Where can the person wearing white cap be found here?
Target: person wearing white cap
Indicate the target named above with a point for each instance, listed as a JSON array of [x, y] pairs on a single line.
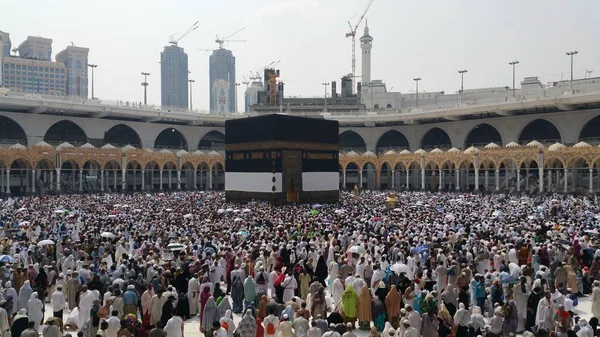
[[58, 301]]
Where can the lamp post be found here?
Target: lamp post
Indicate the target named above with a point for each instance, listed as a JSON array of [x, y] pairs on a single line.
[[462, 77], [325, 84], [571, 53], [191, 106], [235, 97], [145, 85], [417, 79], [92, 66], [513, 64]]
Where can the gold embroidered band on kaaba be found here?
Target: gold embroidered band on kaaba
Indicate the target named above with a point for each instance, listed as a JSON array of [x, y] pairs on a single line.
[[281, 145]]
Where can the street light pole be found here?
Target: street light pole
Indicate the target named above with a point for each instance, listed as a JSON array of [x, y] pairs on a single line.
[[417, 79], [513, 64], [92, 66], [462, 77], [571, 53], [325, 84], [145, 85], [191, 81]]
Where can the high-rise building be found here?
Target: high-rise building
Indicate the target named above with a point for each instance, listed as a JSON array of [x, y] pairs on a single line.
[[251, 94], [76, 61], [174, 77], [222, 67], [36, 47], [221, 93], [5, 44], [34, 76]]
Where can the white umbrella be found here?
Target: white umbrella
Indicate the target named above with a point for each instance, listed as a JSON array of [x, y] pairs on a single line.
[[339, 211], [497, 214], [125, 206], [238, 219], [168, 209], [246, 210], [112, 216], [397, 209], [229, 210], [161, 194], [21, 209], [116, 205], [108, 235], [24, 223], [187, 216], [220, 211], [137, 210], [357, 250], [449, 217], [175, 246], [45, 243], [402, 268]]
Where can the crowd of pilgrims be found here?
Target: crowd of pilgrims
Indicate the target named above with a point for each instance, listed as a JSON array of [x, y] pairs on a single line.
[[436, 265]]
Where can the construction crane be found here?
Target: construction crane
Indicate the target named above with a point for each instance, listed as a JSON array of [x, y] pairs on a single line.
[[245, 81], [221, 40], [352, 34], [173, 40]]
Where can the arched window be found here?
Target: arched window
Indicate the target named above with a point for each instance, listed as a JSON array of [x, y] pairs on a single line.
[[376, 106], [389, 105]]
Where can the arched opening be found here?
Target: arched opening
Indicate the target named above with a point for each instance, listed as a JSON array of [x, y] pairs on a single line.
[[121, 135], [44, 176], [389, 105], [212, 141], [65, 131], [591, 132], [414, 176], [431, 176], [187, 176], [218, 177], [541, 130], [70, 179], [133, 176], [554, 174], [19, 181], [385, 176], [399, 177], [376, 106], [203, 173], [447, 176], [112, 169], [91, 176], [436, 138], [483, 134], [11, 132], [170, 139], [151, 175], [352, 141], [352, 176], [369, 176], [579, 176], [169, 176], [392, 140], [486, 168]]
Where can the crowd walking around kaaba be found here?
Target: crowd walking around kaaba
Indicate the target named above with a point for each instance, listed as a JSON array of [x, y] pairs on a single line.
[[459, 265]]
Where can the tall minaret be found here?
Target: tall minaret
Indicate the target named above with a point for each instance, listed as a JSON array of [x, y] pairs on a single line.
[[366, 43]]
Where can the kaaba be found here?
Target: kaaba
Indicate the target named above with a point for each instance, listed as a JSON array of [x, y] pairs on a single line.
[[281, 158]]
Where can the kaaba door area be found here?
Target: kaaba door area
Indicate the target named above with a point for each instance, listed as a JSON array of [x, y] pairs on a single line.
[[281, 159]]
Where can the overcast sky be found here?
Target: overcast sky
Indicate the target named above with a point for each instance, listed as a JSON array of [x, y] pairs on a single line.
[[431, 39]]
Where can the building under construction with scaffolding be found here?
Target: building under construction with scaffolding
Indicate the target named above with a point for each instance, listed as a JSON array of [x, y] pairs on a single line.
[[272, 100]]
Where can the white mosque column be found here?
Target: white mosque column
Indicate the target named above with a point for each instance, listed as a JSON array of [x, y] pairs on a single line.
[[7, 187], [101, 180], [393, 178], [477, 178], [591, 170], [566, 179], [518, 180], [344, 179], [123, 175], [51, 182], [32, 180], [526, 180], [441, 179], [152, 179], [58, 180], [541, 179], [497, 179], [407, 179], [550, 180], [178, 179], [80, 180], [486, 180], [115, 180], [169, 178], [360, 179], [195, 179], [457, 173], [143, 180], [160, 180], [210, 179], [423, 177]]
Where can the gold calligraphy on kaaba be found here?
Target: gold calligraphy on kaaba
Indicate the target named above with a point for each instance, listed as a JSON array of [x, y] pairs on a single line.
[[257, 155], [238, 156], [320, 156]]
